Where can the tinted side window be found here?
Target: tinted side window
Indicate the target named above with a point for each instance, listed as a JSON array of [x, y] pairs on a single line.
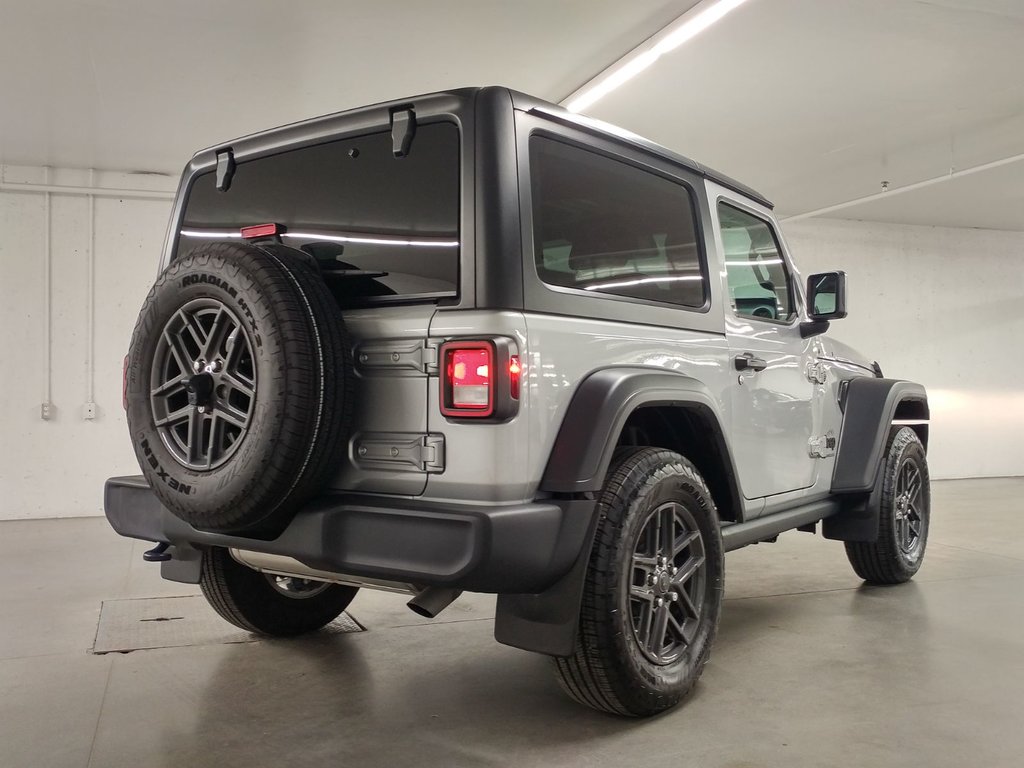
[[759, 284], [389, 226], [603, 225]]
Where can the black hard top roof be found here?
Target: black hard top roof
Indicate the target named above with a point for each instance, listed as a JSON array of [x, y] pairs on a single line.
[[520, 101], [528, 103]]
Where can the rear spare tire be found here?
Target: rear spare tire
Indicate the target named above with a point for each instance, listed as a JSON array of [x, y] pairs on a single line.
[[236, 386]]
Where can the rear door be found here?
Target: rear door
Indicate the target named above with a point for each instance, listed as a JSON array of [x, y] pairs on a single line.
[[385, 231]]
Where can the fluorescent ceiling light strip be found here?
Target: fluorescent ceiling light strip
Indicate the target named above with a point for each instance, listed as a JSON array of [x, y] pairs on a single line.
[[624, 283], [953, 174], [374, 240], [217, 234], [210, 233], [686, 27]]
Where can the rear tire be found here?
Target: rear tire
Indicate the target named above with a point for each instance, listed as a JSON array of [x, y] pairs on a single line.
[[903, 517], [650, 611], [251, 601]]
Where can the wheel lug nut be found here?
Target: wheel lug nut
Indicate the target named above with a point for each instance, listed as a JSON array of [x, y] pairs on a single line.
[[658, 602], [202, 409], [197, 366], [674, 596]]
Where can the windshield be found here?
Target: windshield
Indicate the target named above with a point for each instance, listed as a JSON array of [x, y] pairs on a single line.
[[381, 227]]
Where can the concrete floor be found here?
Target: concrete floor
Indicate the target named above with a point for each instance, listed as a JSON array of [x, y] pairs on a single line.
[[810, 668]]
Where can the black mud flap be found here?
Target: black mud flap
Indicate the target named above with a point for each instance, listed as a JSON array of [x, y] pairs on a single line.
[[547, 622]]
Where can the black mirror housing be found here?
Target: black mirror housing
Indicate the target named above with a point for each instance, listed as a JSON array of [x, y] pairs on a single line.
[[826, 296]]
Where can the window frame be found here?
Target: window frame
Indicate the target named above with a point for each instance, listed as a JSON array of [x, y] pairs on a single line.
[[547, 298], [440, 107], [795, 297], [702, 262]]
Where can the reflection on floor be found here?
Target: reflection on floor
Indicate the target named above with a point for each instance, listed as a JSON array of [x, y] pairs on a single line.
[[810, 668]]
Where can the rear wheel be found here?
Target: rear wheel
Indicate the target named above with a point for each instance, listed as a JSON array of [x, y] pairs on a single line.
[[903, 516], [277, 606], [653, 589]]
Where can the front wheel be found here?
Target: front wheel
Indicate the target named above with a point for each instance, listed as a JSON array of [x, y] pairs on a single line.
[[903, 516], [653, 591], [277, 606]]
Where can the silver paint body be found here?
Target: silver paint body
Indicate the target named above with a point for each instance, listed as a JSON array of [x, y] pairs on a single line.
[[401, 444], [774, 420]]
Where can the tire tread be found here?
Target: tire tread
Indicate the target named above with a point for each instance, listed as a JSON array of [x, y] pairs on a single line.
[[592, 675]]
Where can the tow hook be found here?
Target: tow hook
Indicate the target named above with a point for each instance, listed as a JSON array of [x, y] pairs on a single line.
[[157, 554]]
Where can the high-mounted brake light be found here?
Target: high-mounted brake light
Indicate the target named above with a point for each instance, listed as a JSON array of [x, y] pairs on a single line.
[[480, 379], [261, 230]]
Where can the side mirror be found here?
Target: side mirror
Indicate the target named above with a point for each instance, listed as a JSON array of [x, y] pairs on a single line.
[[826, 296], [826, 300]]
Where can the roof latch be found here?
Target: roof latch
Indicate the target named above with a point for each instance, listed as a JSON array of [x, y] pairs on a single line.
[[225, 169], [403, 128]]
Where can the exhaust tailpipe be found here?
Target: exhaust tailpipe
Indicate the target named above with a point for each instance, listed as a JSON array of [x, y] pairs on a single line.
[[432, 600]]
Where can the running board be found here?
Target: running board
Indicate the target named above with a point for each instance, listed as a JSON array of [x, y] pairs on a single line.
[[736, 535]]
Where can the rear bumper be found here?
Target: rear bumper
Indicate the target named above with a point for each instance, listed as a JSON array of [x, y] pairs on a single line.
[[479, 548]]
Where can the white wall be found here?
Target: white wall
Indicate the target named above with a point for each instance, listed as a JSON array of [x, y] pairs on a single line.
[[57, 467], [943, 307], [939, 306]]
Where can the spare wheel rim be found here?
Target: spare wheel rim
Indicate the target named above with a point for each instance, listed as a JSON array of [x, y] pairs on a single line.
[[203, 384]]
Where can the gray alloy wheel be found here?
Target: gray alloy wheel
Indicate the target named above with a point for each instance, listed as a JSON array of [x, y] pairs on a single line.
[[203, 384], [667, 585], [909, 515], [296, 588]]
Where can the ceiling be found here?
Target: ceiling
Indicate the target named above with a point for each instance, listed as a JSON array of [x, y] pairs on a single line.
[[814, 103]]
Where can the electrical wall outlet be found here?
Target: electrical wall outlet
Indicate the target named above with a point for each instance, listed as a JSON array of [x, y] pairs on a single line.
[[46, 411], [89, 411]]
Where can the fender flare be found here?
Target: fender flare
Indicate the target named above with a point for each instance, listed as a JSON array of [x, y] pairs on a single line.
[[869, 407], [603, 402]]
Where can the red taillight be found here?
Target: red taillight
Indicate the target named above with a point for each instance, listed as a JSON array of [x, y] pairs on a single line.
[[480, 379], [515, 370], [468, 383], [124, 383], [261, 230]]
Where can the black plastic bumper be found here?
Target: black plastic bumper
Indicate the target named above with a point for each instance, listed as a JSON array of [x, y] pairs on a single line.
[[477, 548]]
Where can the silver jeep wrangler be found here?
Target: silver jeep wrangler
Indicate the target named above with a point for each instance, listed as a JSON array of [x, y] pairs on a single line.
[[471, 341]]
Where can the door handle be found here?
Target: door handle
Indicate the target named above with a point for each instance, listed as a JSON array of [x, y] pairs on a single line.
[[747, 362]]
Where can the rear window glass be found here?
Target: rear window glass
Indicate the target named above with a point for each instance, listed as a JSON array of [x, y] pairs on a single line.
[[385, 227], [604, 225]]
